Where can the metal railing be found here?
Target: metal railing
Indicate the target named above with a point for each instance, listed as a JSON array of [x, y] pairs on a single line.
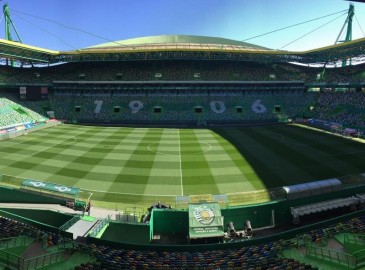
[[43, 260], [99, 226], [342, 258], [357, 239], [12, 261], [13, 242], [69, 223]]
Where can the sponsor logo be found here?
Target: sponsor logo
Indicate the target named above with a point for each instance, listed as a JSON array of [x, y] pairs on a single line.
[[44, 185], [204, 215], [62, 189], [37, 184]]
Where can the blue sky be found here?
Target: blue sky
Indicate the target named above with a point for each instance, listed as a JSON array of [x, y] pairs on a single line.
[[234, 19]]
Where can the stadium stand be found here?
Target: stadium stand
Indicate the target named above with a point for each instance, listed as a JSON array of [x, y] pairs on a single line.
[[268, 255], [342, 107], [215, 106], [110, 258], [12, 114], [194, 92], [180, 71], [10, 228]]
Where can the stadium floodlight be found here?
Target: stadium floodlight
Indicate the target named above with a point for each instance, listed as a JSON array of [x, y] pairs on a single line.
[[248, 228], [231, 230]]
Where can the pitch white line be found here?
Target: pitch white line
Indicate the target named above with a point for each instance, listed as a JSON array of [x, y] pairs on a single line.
[[181, 176]]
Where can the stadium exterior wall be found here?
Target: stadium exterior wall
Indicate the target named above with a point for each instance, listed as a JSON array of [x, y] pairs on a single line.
[[170, 221], [52, 218], [132, 233], [11, 195], [34, 223]]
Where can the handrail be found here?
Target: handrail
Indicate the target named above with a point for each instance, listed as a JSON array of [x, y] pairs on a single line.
[[45, 255], [357, 239], [12, 242], [69, 223], [94, 232], [10, 260], [334, 256], [13, 261]]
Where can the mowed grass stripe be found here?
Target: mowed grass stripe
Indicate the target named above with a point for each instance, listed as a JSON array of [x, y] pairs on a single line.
[[80, 165], [135, 173], [349, 152], [227, 176], [314, 158], [28, 145], [150, 138], [307, 158], [303, 160], [322, 152], [270, 169], [165, 174], [197, 176], [251, 181], [98, 175], [31, 166], [117, 160]]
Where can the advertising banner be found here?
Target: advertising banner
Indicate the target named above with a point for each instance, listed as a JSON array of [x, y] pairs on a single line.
[[205, 220], [50, 187]]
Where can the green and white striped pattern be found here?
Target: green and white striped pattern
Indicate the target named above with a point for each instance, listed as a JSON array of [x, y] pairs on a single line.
[[144, 165]]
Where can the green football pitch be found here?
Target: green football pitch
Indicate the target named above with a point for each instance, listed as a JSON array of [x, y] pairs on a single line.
[[144, 165]]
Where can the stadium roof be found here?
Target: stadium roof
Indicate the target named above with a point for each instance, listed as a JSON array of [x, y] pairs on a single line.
[[18, 51], [179, 47], [180, 40]]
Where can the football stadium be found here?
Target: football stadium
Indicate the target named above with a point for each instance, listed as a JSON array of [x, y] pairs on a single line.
[[182, 152]]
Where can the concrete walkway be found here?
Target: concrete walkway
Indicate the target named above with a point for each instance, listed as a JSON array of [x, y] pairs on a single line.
[[81, 227], [99, 213]]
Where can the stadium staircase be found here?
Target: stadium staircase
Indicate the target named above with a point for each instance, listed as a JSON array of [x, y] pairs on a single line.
[[82, 226], [34, 250], [26, 253], [342, 251]]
